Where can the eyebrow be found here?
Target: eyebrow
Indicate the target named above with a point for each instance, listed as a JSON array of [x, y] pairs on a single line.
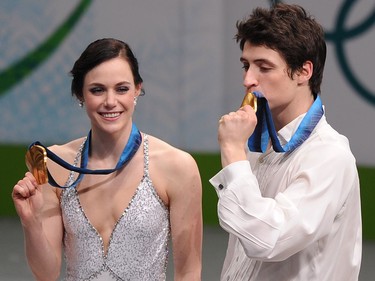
[[243, 60], [258, 61], [117, 84]]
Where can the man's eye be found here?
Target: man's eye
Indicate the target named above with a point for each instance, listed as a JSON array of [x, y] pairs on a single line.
[[245, 67], [264, 69]]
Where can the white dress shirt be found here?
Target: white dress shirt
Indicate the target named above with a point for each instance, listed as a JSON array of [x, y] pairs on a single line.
[[293, 216]]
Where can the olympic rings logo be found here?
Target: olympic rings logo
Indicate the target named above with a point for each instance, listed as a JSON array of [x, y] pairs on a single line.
[[338, 38]]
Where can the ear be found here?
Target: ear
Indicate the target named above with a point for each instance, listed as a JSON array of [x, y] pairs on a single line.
[[304, 75], [138, 90]]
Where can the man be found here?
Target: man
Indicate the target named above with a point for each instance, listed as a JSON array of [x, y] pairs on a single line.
[[288, 196]]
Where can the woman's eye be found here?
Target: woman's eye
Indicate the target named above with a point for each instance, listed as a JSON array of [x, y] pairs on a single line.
[[123, 89], [96, 90]]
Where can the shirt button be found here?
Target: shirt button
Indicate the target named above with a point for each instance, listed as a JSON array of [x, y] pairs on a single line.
[[221, 186]]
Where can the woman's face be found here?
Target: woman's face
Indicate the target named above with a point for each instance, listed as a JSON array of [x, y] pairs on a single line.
[[109, 92]]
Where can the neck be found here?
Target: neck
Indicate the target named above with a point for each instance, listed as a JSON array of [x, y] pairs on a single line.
[[107, 147], [284, 115]]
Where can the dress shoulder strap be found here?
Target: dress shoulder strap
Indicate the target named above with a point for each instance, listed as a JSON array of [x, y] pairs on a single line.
[[145, 153]]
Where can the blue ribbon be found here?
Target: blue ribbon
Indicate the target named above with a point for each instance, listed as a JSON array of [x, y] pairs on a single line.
[[134, 141], [265, 128]]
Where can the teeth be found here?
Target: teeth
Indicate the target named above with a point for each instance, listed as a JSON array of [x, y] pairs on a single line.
[[111, 115]]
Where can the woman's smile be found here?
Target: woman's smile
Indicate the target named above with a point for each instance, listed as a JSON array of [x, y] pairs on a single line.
[[110, 115]]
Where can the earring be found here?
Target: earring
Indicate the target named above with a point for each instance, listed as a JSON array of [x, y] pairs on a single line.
[[80, 103], [135, 100]]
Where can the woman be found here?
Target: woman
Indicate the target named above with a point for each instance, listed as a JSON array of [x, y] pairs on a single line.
[[114, 226]]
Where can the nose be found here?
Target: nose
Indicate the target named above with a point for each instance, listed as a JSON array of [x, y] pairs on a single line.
[[110, 99], [249, 79]]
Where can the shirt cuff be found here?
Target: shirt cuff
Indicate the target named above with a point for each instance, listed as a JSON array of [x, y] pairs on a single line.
[[229, 174]]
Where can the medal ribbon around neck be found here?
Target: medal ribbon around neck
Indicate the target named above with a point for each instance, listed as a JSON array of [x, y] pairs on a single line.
[[135, 140], [265, 128]]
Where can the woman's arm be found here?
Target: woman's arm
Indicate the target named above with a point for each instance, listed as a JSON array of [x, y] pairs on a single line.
[[39, 212], [185, 202]]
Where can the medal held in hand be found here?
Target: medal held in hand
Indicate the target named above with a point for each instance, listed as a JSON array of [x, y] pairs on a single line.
[[250, 99], [36, 162], [265, 128]]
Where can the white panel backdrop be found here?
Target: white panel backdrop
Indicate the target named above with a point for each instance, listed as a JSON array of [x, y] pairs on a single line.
[[189, 63]]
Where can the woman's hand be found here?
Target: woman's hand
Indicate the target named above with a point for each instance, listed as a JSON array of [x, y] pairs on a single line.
[[28, 199]]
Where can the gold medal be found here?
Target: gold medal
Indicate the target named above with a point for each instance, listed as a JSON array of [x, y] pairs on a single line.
[[36, 162], [251, 100]]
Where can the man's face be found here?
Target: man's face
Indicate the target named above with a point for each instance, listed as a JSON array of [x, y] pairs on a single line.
[[267, 72]]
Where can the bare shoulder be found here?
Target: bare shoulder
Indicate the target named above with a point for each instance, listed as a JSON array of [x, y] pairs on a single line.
[[173, 171], [170, 157], [68, 150]]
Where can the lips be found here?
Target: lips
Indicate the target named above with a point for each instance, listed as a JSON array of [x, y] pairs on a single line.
[[111, 115]]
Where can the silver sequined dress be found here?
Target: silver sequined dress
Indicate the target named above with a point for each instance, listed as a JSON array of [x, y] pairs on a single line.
[[138, 247]]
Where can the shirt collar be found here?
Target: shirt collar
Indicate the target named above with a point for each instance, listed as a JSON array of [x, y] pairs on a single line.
[[286, 132]]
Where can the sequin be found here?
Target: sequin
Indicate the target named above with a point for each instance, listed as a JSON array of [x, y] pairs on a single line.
[[138, 246]]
